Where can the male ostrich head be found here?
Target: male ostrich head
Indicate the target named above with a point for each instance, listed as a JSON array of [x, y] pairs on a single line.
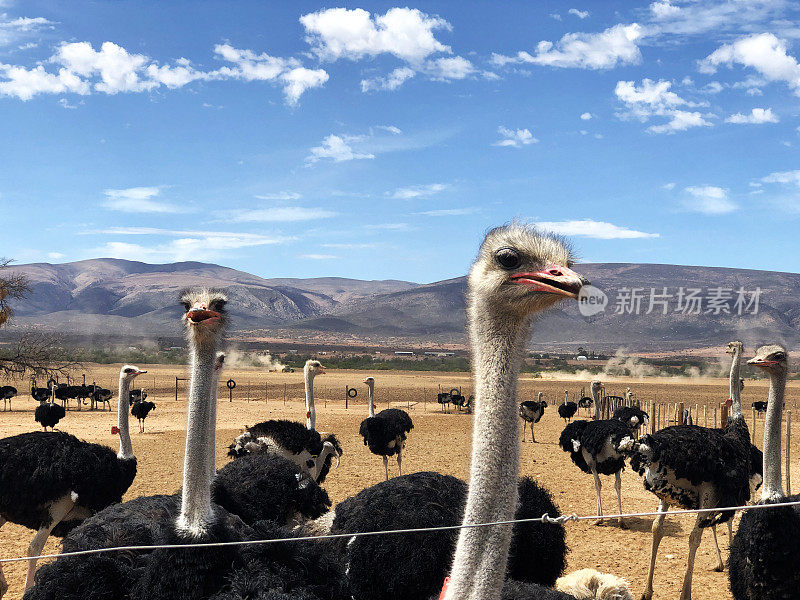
[[521, 270], [596, 386], [205, 316], [733, 347], [314, 367], [772, 359], [129, 373], [370, 381]]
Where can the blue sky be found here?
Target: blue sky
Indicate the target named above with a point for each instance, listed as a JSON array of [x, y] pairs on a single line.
[[377, 140]]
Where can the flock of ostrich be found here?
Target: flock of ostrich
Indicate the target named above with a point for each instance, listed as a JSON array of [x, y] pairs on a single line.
[[263, 527]]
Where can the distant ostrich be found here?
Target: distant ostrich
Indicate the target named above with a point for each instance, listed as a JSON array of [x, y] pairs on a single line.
[[303, 446], [225, 573], [695, 467], [136, 395], [7, 392], [48, 414], [599, 447], [415, 565], [140, 410], [764, 553], [567, 410], [531, 412], [761, 406], [586, 404], [519, 272], [49, 481], [633, 417], [385, 433], [101, 396], [40, 394]]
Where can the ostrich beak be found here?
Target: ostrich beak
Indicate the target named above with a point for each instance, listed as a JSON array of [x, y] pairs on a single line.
[[199, 315], [553, 279], [761, 362]]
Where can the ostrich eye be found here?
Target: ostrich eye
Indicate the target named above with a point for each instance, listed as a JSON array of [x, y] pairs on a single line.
[[218, 304], [508, 258], [186, 305]]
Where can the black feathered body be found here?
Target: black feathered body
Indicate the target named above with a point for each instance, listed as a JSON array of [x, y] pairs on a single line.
[[280, 436], [760, 406], [40, 394], [531, 411], [567, 410], [765, 554], [385, 433], [141, 408], [268, 486], [631, 416], [414, 565], [685, 464], [603, 444], [41, 467], [48, 414], [586, 402]]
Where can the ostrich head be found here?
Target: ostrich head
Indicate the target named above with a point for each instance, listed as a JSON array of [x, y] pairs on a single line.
[[596, 386], [733, 347], [314, 368], [521, 271], [773, 359], [370, 381], [205, 316], [130, 372]]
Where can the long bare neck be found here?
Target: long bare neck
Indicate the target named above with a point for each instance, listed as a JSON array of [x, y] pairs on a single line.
[[539, 397], [371, 399], [196, 512], [596, 401], [736, 396], [211, 424], [311, 412], [125, 446], [773, 485], [479, 567]]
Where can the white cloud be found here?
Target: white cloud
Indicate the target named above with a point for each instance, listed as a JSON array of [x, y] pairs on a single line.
[[338, 149], [682, 17], [389, 226], [300, 79], [390, 128], [139, 200], [663, 9], [604, 50], [443, 69], [757, 116], [669, 186], [651, 99], [586, 116], [278, 214], [118, 70], [593, 229], [515, 138], [391, 82], [27, 83], [406, 33], [349, 246], [709, 200], [449, 212], [14, 30], [581, 14], [55, 255], [318, 256], [418, 191], [556, 16], [763, 52], [279, 196], [791, 178]]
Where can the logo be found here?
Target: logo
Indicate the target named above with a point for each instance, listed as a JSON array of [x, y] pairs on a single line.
[[591, 301]]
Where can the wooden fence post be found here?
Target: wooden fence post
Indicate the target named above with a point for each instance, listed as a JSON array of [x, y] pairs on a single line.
[[754, 426], [284, 394], [705, 415], [724, 417], [681, 420], [788, 451], [715, 417]]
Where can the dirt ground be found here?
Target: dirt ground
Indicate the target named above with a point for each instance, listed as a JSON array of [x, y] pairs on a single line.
[[439, 442]]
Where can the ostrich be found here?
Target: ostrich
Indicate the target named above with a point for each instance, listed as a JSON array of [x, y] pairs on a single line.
[[7, 392], [763, 561], [531, 412], [414, 565], [599, 447], [633, 417], [302, 445], [695, 467], [385, 433], [761, 407], [136, 395], [519, 272], [567, 410], [40, 394], [283, 571], [140, 410], [311, 369], [49, 480], [101, 396], [586, 403], [48, 414], [331, 446]]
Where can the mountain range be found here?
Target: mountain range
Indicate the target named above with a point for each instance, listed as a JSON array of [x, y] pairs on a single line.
[[125, 298]]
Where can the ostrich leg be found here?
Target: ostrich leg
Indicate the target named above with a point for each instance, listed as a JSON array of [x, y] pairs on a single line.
[[386, 466], [658, 533], [618, 487], [597, 486], [58, 511], [720, 565], [533, 438], [694, 542], [400, 462], [524, 427], [3, 583], [730, 531]]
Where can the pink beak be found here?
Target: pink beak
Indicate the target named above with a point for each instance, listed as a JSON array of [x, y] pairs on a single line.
[[553, 279]]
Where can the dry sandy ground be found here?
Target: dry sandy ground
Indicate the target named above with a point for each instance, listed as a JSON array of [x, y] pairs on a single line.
[[439, 442]]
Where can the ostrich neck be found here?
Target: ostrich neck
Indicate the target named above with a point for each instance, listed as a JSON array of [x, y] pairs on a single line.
[[196, 512], [311, 412], [479, 566], [371, 400], [596, 402], [125, 446], [736, 397], [773, 486]]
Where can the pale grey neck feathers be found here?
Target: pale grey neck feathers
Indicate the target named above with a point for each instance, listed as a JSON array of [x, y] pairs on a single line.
[[125, 445], [735, 390], [773, 484]]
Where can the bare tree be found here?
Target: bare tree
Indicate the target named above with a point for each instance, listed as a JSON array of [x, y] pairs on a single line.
[[32, 353]]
